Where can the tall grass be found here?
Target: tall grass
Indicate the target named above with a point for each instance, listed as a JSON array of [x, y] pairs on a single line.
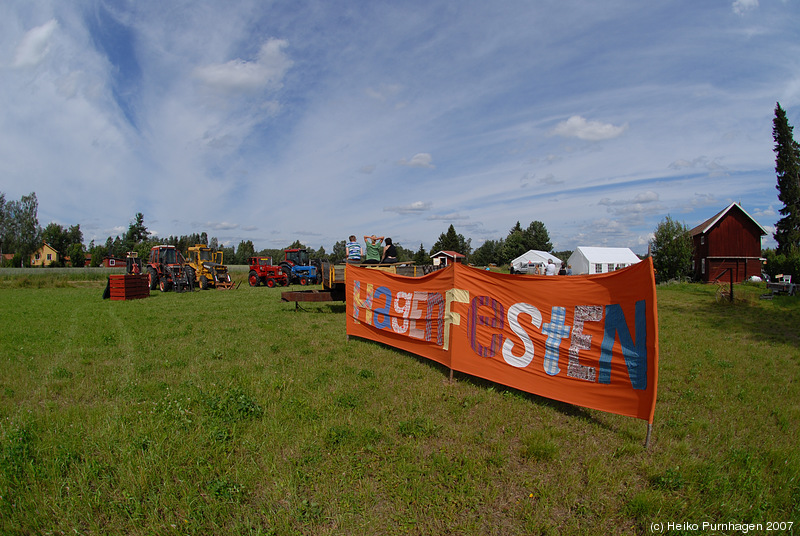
[[230, 412]]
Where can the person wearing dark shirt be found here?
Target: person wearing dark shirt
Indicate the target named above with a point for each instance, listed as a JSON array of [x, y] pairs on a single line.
[[389, 252]]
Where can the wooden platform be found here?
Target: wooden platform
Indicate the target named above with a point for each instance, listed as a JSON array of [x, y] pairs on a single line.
[[128, 287]]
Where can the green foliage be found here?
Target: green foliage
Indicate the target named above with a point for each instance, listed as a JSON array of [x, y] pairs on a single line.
[[19, 225], [452, 241], [787, 168], [490, 252], [779, 263], [671, 249], [520, 241], [137, 232], [244, 252], [339, 253], [421, 257]]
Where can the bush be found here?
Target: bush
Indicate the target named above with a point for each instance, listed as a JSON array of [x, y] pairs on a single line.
[[782, 264]]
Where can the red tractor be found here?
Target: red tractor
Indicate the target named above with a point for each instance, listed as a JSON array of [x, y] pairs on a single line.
[[166, 269], [263, 271]]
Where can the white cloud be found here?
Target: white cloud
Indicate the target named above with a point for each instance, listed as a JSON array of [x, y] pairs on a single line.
[[423, 160], [578, 127], [414, 208], [383, 92], [267, 71], [741, 6], [34, 46]]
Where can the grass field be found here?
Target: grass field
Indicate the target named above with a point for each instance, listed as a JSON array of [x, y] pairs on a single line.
[[232, 413]]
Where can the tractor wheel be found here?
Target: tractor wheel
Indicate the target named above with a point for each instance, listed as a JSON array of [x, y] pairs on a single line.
[[203, 282], [152, 278], [190, 276], [270, 282], [286, 269], [286, 282], [253, 278], [303, 281], [163, 284]]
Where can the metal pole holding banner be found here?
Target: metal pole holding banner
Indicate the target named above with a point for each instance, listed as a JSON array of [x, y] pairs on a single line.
[[649, 432]]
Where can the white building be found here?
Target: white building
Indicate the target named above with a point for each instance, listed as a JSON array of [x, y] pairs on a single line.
[[525, 263], [591, 260]]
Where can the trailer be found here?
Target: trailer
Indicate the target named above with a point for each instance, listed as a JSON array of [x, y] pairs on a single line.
[[333, 281]]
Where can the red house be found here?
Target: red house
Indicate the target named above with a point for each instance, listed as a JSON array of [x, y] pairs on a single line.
[[445, 258], [731, 240]]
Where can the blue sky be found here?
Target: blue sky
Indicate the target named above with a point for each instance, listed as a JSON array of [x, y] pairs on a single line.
[[291, 120]]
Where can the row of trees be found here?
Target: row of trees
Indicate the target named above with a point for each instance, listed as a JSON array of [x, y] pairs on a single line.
[[19, 227]]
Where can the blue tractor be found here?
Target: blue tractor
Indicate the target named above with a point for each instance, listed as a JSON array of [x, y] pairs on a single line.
[[299, 268]]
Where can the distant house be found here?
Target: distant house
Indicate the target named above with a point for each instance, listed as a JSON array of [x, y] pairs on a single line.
[[598, 260], [44, 256], [87, 260], [445, 258], [731, 239], [113, 262]]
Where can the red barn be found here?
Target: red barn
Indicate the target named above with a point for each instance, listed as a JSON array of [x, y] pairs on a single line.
[[730, 239]]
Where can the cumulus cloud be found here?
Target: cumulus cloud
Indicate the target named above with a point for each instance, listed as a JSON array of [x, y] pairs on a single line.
[[741, 6], [34, 45], [414, 208], [578, 127], [238, 75], [423, 160]]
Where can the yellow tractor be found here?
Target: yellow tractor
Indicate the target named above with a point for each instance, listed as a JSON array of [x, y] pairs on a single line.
[[204, 267]]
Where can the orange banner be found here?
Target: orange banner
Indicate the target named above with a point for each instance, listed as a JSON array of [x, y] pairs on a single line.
[[589, 340]]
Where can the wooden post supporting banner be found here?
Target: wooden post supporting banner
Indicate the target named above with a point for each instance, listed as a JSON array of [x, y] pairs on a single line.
[[649, 432]]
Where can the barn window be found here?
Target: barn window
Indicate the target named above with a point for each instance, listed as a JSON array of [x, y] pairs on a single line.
[[702, 239], [702, 266]]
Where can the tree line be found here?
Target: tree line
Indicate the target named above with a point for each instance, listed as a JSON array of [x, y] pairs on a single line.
[[21, 234]]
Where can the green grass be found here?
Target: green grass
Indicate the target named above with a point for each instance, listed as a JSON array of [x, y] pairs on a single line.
[[231, 413]]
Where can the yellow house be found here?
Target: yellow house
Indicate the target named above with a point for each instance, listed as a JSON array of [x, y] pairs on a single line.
[[44, 256]]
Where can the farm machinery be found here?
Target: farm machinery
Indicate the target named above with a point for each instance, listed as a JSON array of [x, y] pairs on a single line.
[[166, 269], [262, 271], [299, 268], [205, 268]]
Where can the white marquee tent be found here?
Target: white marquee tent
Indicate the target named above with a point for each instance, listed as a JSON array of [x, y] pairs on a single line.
[[592, 260], [525, 263]]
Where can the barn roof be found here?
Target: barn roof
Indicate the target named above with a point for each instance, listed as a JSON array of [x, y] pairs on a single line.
[[451, 254], [709, 223]]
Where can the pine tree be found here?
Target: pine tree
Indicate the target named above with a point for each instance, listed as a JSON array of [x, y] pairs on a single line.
[[787, 168]]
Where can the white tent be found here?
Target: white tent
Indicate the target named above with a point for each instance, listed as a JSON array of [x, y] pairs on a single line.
[[590, 260], [526, 262]]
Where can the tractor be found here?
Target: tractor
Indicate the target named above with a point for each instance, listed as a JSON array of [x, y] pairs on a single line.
[[298, 267], [262, 271], [166, 269], [205, 268]]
